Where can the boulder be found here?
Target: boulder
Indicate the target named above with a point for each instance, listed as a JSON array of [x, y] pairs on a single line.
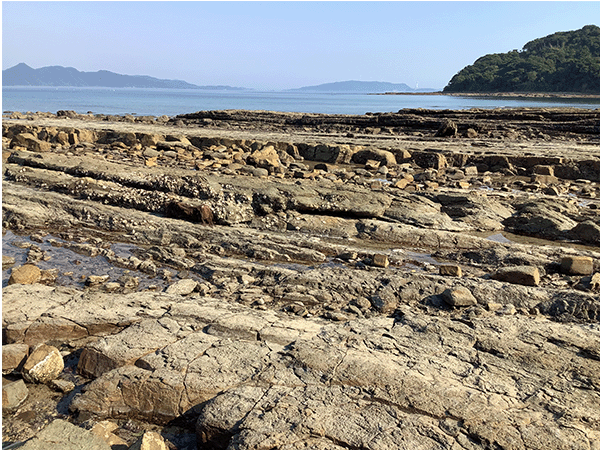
[[447, 129], [380, 260], [266, 158], [459, 296], [104, 430], [588, 232], [385, 157], [450, 270], [525, 275], [13, 394], [577, 265], [43, 365], [150, 440], [27, 274], [30, 142], [14, 356], [430, 160], [540, 220], [182, 287]]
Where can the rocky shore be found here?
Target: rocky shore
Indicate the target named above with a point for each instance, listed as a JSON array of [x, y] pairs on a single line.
[[252, 280]]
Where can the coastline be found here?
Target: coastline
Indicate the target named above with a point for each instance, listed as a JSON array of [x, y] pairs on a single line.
[[549, 95], [315, 262]]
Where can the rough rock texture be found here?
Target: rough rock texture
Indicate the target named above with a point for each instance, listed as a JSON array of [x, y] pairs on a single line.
[[44, 364], [361, 283], [62, 434], [13, 394]]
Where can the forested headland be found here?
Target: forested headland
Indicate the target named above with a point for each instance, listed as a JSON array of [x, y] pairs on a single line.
[[561, 62]]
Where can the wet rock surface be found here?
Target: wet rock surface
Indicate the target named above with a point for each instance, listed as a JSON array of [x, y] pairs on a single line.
[[234, 279]]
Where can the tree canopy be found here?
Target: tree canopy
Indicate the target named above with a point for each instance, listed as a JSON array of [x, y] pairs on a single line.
[[561, 62]]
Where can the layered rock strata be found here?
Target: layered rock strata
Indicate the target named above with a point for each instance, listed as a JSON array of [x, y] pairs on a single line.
[[358, 284]]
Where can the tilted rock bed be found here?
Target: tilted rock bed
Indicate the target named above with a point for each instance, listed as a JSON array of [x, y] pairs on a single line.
[[351, 304]]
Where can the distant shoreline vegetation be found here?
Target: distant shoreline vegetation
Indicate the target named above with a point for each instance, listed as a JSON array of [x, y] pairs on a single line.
[[499, 95], [563, 62]]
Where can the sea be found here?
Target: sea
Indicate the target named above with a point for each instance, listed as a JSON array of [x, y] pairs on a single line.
[[171, 102]]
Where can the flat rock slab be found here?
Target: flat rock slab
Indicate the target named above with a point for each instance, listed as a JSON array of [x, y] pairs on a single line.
[[320, 381], [66, 436]]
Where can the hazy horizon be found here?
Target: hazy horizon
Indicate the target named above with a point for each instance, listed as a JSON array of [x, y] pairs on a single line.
[[279, 45]]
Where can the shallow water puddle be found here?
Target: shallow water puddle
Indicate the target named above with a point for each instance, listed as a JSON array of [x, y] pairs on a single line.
[[73, 267]]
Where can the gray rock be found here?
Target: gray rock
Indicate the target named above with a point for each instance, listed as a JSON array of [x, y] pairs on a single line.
[[66, 436], [182, 287], [542, 220]]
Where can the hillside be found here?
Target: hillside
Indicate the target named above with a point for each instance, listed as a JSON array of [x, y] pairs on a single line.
[[561, 62], [359, 86], [23, 75]]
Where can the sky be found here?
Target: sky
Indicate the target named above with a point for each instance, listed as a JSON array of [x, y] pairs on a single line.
[[279, 45]]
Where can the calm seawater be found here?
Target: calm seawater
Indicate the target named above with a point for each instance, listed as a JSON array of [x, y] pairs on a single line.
[[170, 102]]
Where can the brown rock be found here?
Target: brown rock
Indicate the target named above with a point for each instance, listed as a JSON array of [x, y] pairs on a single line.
[[577, 265], [267, 158], [151, 440], [43, 365], [62, 138], [105, 430], [471, 133], [402, 183], [29, 141], [13, 356], [63, 386], [459, 296], [7, 262], [595, 282], [587, 231], [371, 164], [13, 394], [27, 274], [380, 260], [451, 270], [525, 275], [447, 129], [543, 170]]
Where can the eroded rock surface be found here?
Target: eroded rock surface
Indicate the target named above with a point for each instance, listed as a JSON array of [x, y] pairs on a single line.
[[258, 280]]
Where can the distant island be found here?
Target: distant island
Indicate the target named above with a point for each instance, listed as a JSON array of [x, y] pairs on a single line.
[[23, 75], [561, 62], [371, 87]]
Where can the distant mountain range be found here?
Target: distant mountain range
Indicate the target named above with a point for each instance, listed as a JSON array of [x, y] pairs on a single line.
[[372, 87], [23, 75]]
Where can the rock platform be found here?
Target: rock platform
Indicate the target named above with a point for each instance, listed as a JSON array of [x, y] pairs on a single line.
[[249, 280]]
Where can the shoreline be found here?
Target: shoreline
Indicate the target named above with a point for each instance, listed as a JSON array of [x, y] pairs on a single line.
[[182, 268], [543, 95]]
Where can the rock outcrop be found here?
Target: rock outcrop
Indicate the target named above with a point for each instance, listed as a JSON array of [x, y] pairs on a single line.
[[250, 280]]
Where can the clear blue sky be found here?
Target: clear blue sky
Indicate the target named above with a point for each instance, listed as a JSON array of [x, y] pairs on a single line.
[[279, 45]]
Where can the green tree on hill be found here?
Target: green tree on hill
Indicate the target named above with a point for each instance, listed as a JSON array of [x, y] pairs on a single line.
[[562, 62]]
